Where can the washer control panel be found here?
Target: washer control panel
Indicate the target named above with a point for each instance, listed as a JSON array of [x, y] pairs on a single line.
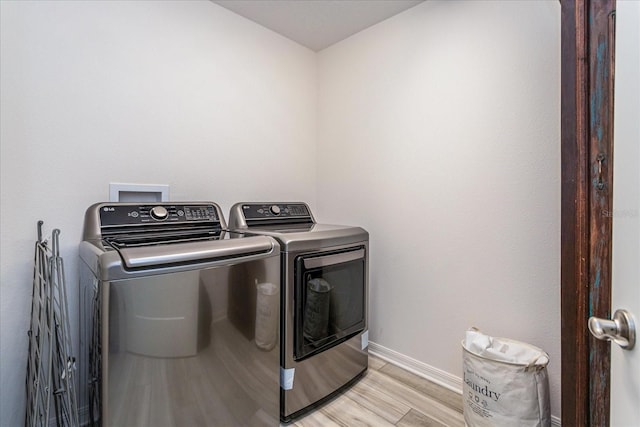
[[113, 215], [272, 211]]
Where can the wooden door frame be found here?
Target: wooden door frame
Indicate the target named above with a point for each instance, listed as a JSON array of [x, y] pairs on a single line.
[[587, 75]]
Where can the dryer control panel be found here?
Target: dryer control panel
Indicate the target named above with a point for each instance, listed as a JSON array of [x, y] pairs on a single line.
[[275, 210], [246, 215]]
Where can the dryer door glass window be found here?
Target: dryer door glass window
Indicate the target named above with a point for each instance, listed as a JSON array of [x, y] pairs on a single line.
[[330, 294]]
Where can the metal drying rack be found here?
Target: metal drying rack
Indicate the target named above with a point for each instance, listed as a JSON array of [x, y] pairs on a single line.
[[51, 364]]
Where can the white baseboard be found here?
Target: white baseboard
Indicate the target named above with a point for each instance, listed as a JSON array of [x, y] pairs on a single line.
[[428, 372], [414, 366]]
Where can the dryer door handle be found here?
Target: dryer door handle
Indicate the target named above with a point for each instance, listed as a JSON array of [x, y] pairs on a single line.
[[339, 258]]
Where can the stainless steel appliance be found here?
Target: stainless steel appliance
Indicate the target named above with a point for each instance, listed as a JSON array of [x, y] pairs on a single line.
[[324, 336], [178, 322]]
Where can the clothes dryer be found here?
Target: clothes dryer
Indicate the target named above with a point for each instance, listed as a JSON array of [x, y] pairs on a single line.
[[324, 291]]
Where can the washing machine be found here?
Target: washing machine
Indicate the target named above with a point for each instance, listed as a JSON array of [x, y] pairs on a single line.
[[164, 337]]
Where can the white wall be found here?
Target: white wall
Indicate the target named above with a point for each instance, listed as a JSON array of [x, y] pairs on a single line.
[[182, 93], [439, 132]]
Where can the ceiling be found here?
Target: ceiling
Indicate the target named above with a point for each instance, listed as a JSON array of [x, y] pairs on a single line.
[[317, 24]]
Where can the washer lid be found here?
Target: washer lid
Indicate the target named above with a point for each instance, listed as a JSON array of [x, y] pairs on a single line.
[[108, 263]]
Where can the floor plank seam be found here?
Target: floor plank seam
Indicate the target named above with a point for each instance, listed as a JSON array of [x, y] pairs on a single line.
[[388, 395]]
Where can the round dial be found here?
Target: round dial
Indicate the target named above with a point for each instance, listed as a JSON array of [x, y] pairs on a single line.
[[275, 209], [159, 213]]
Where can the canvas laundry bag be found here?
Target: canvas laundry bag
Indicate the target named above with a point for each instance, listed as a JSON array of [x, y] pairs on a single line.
[[505, 382]]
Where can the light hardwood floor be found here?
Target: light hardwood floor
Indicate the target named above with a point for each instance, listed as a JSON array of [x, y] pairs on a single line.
[[388, 396]]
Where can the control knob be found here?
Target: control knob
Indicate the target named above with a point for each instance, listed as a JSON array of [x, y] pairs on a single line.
[[159, 213], [275, 209]]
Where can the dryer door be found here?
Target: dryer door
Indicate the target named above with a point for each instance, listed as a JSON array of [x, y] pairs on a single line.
[[331, 294]]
